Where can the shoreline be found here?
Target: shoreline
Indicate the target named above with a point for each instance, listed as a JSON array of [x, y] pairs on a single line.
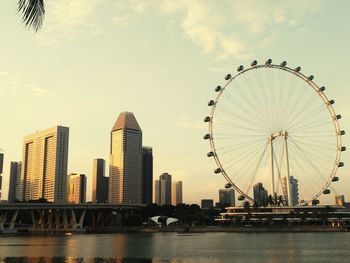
[[184, 230]]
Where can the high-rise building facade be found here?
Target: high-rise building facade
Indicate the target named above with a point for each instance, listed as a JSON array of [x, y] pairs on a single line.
[[163, 189], [227, 197], [340, 200], [77, 188], [1, 169], [260, 194], [44, 165], [99, 182], [15, 182], [147, 175], [207, 203], [294, 189], [177, 193], [125, 168]]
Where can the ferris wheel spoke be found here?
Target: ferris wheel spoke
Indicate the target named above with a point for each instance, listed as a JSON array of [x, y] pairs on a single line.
[[255, 171], [312, 164], [302, 120], [242, 156], [300, 117]]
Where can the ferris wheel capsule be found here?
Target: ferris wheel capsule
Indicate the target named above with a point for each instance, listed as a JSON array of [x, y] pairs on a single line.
[[341, 164], [228, 185], [207, 119], [283, 64], [297, 69], [210, 154], [211, 103], [268, 62], [330, 102], [342, 132], [322, 89], [311, 77], [326, 191], [218, 88], [241, 198], [240, 68], [342, 148], [228, 76], [217, 170], [335, 179], [254, 63]]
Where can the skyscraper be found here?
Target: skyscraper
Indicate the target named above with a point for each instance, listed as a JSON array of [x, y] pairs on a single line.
[[163, 189], [294, 186], [1, 169], [177, 193], [44, 165], [260, 194], [77, 188], [15, 182], [227, 197], [125, 168], [147, 175], [99, 182], [340, 200]]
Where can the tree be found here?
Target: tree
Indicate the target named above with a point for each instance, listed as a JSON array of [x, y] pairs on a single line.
[[33, 12]]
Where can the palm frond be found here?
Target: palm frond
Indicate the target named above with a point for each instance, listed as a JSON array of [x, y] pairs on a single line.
[[33, 12]]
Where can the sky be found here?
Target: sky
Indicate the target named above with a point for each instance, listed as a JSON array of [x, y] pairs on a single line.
[[161, 60]]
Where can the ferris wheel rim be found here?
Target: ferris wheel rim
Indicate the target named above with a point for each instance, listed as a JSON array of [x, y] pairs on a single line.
[[310, 83]]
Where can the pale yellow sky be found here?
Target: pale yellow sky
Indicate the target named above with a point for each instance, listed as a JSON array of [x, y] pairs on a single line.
[[161, 60]]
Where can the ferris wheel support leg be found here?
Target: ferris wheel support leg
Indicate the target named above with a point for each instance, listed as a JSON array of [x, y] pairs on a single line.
[[272, 169], [289, 193]]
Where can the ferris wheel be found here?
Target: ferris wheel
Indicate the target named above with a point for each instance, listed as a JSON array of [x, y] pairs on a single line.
[[273, 128]]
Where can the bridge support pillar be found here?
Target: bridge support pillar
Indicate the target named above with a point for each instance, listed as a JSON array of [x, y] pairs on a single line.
[[13, 220]]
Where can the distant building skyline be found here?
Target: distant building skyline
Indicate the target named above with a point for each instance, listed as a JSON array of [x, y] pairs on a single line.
[[76, 188], [227, 197], [260, 194], [294, 189], [14, 192], [147, 175], [44, 165], [125, 167], [340, 200], [99, 181], [163, 189], [177, 193], [207, 203]]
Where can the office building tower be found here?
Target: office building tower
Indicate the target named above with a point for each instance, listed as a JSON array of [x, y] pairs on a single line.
[[260, 194], [99, 182], [14, 193], [147, 175], [227, 197], [340, 200], [207, 203], [177, 193], [163, 189], [1, 169], [157, 192], [294, 189], [77, 188], [44, 165], [125, 168]]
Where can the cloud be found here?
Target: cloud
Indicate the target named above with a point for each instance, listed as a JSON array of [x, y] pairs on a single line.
[[221, 29]]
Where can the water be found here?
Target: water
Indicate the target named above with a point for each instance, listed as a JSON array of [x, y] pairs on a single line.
[[176, 248]]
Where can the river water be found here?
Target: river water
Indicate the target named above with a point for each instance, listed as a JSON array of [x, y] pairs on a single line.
[[175, 248]]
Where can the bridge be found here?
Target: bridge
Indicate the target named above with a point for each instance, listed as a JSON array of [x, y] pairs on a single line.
[[33, 217]]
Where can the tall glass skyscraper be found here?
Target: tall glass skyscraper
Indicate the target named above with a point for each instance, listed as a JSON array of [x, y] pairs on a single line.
[[44, 165], [99, 182], [15, 182], [147, 175], [125, 167]]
